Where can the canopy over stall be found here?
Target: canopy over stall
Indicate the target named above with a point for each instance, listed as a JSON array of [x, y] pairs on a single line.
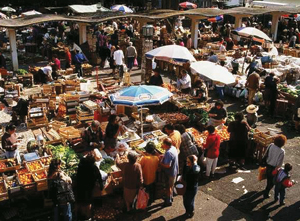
[[82, 9]]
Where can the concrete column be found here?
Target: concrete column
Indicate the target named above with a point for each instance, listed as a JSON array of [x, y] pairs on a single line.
[[194, 32], [274, 28], [238, 21], [82, 33], [13, 49]]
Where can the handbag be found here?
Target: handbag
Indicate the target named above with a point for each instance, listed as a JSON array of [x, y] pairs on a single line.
[[135, 63], [195, 148]]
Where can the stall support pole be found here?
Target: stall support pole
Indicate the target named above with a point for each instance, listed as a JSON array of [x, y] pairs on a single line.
[[274, 28], [238, 21], [97, 77], [82, 33], [13, 48], [194, 28]]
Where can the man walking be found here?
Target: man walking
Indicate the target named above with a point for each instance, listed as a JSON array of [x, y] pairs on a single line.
[[131, 55], [119, 58]]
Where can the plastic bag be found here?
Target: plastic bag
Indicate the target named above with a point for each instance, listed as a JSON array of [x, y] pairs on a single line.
[[106, 64], [262, 173], [142, 199], [135, 62]]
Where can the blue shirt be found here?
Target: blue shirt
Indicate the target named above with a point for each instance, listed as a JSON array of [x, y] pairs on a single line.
[[171, 158]]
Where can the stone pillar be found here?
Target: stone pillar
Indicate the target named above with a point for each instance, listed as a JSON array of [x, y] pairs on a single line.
[[238, 21], [194, 32], [13, 49], [274, 28], [82, 33], [146, 70]]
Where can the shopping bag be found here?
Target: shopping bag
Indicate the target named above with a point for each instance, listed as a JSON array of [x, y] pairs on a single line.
[[262, 173], [106, 64], [142, 199], [135, 62]]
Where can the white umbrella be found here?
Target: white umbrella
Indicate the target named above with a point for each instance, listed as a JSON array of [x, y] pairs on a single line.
[[175, 52], [250, 31], [8, 9], [212, 71], [33, 12]]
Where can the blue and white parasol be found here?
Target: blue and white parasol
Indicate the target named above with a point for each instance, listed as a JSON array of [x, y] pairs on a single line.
[[121, 8], [142, 95]]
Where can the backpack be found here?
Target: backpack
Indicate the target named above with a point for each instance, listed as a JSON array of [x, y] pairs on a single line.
[[61, 191]]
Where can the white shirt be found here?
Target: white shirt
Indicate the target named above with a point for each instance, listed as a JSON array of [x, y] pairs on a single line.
[[115, 25], [47, 71], [76, 48], [222, 48], [184, 82], [118, 57]]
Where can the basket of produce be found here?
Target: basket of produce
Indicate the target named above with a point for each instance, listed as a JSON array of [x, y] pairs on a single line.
[[12, 183], [9, 165], [34, 166], [40, 177], [26, 179], [3, 191]]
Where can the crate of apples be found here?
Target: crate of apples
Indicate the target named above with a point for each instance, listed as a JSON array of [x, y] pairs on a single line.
[[40, 175], [26, 178], [34, 165]]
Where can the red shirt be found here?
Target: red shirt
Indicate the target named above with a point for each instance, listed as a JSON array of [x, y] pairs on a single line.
[[68, 57], [213, 145], [57, 63]]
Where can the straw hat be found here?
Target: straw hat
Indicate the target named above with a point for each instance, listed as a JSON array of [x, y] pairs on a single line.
[[251, 109]]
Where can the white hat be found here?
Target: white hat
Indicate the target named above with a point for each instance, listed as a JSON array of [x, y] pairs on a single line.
[[40, 137], [251, 109]]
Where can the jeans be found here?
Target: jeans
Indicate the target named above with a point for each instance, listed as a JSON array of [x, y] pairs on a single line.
[[130, 62], [211, 165], [78, 70], [189, 200], [279, 190], [220, 91], [270, 183], [13, 154], [65, 210]]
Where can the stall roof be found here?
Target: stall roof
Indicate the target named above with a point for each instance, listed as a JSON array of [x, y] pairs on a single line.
[[152, 15], [81, 9]]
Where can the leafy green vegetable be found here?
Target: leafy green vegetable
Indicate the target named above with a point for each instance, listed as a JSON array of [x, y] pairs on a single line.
[[22, 72], [69, 158], [106, 165]]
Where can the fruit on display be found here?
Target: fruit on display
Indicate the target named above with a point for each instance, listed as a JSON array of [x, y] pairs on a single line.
[[40, 175], [11, 162], [13, 182], [35, 165], [46, 160], [171, 117], [223, 132], [2, 165], [159, 148], [200, 138], [148, 137], [26, 178], [170, 87], [2, 188], [23, 170]]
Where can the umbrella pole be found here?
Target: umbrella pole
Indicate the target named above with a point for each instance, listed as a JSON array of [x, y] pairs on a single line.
[[142, 122]]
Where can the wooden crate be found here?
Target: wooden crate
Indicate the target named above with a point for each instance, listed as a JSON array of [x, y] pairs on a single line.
[[30, 187], [56, 125], [18, 166], [12, 190], [4, 194], [30, 169], [41, 184], [69, 132], [263, 138]]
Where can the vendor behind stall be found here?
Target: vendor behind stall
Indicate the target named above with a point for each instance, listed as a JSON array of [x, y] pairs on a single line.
[[93, 136], [184, 82], [111, 133], [217, 114], [9, 142], [44, 75], [21, 108], [55, 64], [156, 79], [200, 91]]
